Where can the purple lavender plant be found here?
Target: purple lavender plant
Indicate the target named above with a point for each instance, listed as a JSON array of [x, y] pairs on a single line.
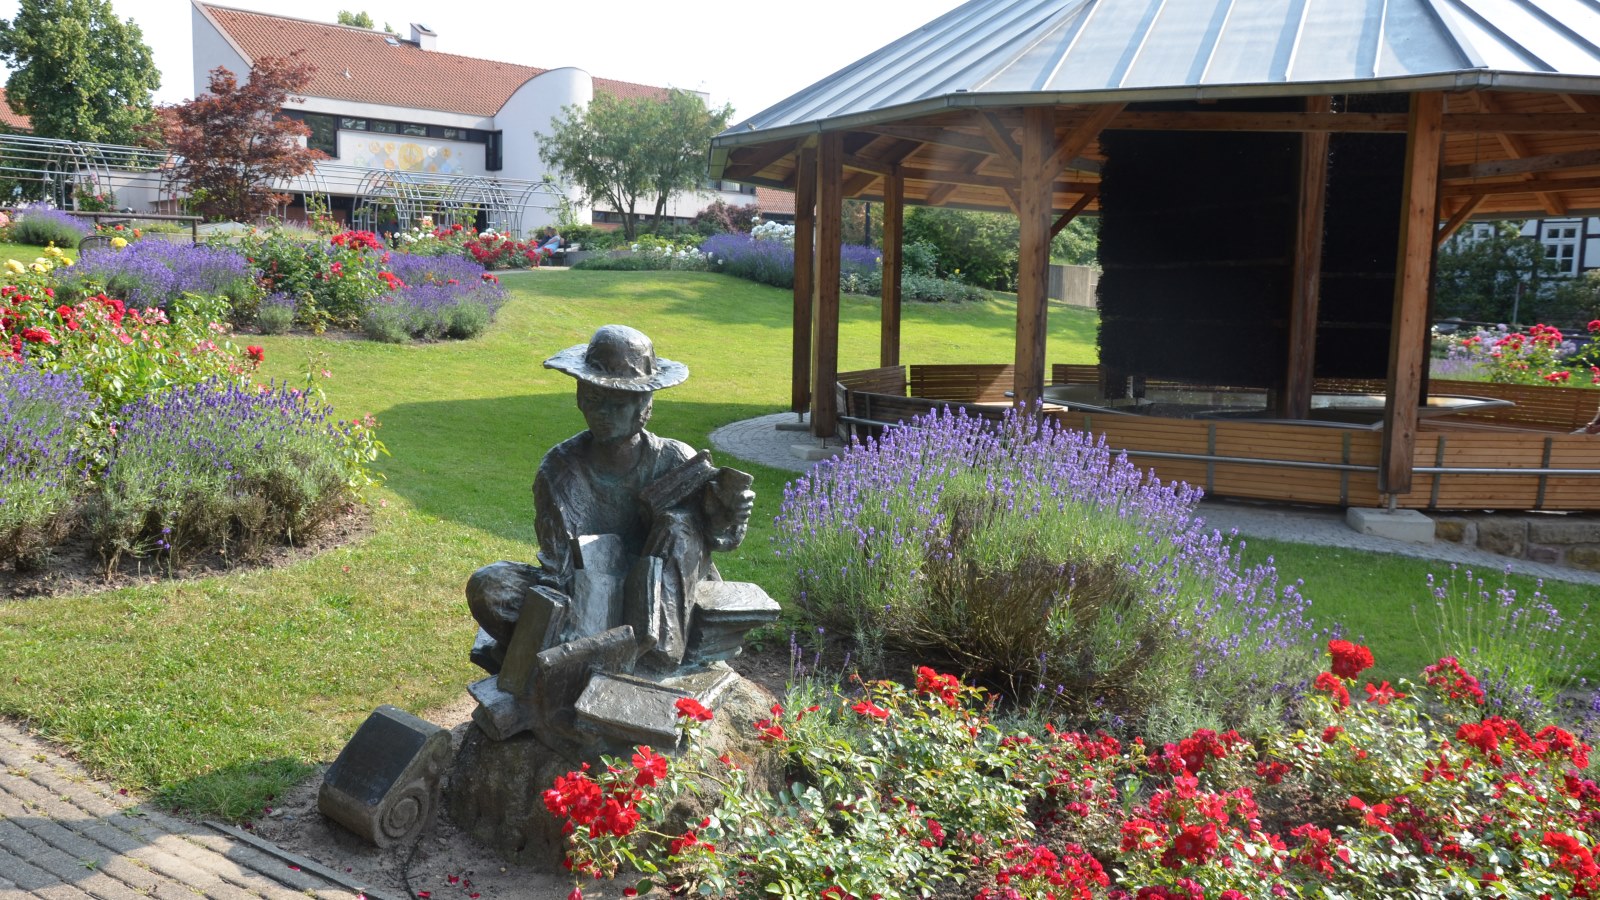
[[224, 467], [1023, 549], [156, 272], [41, 225], [772, 261], [442, 297], [45, 468]]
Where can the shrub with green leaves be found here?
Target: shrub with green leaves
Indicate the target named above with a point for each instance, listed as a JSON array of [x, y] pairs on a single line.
[[43, 226], [1030, 556]]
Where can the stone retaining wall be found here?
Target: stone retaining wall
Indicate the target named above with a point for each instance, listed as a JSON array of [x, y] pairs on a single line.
[[1565, 540]]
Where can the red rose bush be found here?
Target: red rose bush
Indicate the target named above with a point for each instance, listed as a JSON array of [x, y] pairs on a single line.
[[1380, 790]]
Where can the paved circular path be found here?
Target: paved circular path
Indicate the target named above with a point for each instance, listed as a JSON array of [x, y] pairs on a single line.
[[758, 440]]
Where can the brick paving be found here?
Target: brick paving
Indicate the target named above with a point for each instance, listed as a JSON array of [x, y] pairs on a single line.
[[67, 836], [758, 440]]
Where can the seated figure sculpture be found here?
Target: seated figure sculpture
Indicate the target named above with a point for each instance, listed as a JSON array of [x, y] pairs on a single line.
[[624, 584]]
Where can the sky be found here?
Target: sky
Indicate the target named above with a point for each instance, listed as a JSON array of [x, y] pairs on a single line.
[[750, 53]]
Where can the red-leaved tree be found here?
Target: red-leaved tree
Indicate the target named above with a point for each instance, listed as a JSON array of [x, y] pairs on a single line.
[[233, 141]]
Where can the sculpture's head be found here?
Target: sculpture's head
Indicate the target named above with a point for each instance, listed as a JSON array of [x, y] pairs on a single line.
[[618, 372]]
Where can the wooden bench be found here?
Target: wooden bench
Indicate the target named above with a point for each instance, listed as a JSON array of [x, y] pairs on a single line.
[[963, 383]]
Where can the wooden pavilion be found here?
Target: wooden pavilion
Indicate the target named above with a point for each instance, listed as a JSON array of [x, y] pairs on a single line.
[[1407, 117]]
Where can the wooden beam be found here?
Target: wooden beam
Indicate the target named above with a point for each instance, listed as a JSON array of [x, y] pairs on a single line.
[[1072, 212], [894, 217], [858, 182], [1529, 165], [876, 167], [1582, 103], [1033, 253], [1300, 373], [805, 242], [754, 159], [1456, 220], [1517, 148], [1002, 146], [1534, 185], [1461, 123], [1408, 332], [1081, 137], [973, 179], [825, 289]]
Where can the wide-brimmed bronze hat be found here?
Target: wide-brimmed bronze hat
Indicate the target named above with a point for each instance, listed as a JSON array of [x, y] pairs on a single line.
[[620, 358]]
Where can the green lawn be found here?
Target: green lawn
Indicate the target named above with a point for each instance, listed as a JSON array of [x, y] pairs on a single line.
[[216, 692], [28, 253]]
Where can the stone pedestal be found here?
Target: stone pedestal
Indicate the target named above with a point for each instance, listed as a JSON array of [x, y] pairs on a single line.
[[496, 788]]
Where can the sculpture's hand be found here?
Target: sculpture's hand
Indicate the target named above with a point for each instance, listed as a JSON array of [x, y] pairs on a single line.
[[743, 505]]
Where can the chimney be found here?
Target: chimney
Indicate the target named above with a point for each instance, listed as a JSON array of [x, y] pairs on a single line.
[[423, 38]]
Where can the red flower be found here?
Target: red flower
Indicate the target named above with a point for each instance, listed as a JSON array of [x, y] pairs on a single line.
[[870, 709], [1382, 694], [256, 354], [38, 336], [1349, 660], [770, 733], [946, 687], [690, 708], [1327, 681], [652, 767], [1594, 326]]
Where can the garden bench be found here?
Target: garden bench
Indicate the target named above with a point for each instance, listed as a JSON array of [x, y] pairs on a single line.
[[863, 414]]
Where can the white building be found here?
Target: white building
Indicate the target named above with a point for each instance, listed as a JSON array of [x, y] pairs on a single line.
[[404, 123]]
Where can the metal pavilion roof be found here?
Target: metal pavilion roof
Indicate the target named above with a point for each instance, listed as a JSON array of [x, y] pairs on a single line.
[[1018, 52]]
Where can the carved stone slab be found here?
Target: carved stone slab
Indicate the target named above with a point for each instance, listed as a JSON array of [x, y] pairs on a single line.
[[626, 710], [385, 784], [724, 611]]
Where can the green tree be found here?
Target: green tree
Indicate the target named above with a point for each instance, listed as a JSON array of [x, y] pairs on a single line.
[[631, 151], [1496, 277], [78, 72], [361, 19]]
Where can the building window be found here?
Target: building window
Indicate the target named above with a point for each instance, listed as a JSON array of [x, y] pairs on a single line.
[[450, 134], [413, 129], [493, 152], [1560, 241], [353, 124], [385, 127], [324, 135]]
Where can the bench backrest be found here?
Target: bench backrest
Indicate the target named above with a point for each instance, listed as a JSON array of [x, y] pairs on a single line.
[[962, 383]]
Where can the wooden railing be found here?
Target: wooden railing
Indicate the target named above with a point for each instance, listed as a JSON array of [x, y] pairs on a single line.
[[1519, 457]]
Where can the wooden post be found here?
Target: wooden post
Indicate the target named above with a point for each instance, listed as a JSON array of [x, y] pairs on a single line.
[[1408, 335], [1035, 206], [825, 288], [1300, 372], [894, 217], [805, 240]]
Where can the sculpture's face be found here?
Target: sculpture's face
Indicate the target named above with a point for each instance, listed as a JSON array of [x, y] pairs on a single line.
[[613, 415]]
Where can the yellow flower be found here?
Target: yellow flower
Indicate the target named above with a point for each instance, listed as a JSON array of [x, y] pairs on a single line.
[[14, 266], [118, 243]]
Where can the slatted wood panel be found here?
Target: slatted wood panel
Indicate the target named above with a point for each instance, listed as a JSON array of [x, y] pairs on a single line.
[[962, 383], [870, 410], [883, 380], [1555, 408], [1068, 373]]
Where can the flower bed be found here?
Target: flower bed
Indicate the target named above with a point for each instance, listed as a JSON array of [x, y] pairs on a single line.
[[1032, 556], [766, 255], [147, 427], [1540, 355], [155, 273], [1398, 791]]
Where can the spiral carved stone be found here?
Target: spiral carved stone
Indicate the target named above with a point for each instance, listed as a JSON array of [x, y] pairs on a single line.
[[385, 784]]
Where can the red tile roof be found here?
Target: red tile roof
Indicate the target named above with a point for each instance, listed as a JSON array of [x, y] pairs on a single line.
[[11, 118], [361, 65], [774, 201]]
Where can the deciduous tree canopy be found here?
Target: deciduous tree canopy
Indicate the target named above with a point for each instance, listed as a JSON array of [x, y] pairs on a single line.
[[233, 140], [78, 72], [623, 152]]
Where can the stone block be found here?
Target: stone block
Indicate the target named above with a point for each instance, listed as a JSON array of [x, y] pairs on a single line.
[[385, 784], [1544, 554], [814, 452], [1397, 525], [1507, 537], [1456, 531], [723, 613], [1564, 531], [627, 710], [1584, 558]]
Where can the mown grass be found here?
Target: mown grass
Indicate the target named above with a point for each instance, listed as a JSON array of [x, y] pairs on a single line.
[[219, 692], [27, 253]]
